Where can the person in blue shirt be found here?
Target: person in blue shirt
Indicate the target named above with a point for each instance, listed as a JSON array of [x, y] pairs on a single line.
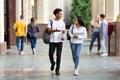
[[104, 34]]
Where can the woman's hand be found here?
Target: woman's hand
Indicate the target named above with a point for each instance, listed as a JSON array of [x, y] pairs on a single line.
[[62, 38], [75, 36]]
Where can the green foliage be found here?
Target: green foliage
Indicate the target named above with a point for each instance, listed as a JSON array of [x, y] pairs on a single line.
[[81, 8]]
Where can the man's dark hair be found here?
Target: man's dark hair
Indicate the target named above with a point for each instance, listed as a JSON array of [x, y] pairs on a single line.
[[102, 15], [80, 20], [21, 17], [32, 19], [56, 11]]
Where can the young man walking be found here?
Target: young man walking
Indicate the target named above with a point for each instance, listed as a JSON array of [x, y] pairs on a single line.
[[20, 28], [104, 34], [57, 31]]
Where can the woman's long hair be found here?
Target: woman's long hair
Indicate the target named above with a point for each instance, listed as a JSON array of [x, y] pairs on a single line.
[[32, 23], [80, 20]]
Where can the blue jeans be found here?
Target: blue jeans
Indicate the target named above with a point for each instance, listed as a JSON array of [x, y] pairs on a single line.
[[33, 42], [76, 50], [104, 46], [20, 43], [94, 36]]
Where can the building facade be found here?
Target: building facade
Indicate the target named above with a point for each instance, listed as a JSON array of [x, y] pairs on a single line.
[[111, 8], [10, 10], [2, 42], [42, 10]]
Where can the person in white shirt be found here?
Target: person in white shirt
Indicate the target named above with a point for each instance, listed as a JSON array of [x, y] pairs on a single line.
[[77, 33], [57, 31]]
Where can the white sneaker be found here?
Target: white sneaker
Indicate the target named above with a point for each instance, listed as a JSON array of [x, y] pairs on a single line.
[[89, 53], [33, 51], [22, 52], [76, 72], [104, 54]]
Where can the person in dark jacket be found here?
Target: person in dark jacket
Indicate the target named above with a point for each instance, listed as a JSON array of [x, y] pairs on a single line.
[[32, 34]]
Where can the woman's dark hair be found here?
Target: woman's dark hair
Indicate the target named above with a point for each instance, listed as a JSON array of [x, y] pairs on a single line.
[[102, 15], [56, 11], [80, 20], [32, 19], [32, 22]]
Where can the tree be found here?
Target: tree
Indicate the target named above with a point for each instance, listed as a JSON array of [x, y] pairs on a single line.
[[81, 8]]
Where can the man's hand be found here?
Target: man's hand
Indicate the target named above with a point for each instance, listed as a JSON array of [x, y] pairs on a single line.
[[63, 32], [57, 30], [50, 30]]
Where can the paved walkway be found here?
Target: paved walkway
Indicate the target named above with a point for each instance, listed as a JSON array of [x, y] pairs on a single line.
[[29, 67]]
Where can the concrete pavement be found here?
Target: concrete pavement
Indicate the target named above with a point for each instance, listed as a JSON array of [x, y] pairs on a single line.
[[30, 67]]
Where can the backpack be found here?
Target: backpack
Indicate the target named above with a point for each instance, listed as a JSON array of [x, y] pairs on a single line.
[[110, 29], [68, 36], [46, 34], [29, 34]]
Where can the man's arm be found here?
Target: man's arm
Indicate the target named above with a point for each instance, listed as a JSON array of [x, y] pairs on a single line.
[[50, 30], [15, 26], [102, 32]]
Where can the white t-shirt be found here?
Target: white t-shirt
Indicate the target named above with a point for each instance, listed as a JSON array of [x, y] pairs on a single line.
[[55, 37], [81, 32]]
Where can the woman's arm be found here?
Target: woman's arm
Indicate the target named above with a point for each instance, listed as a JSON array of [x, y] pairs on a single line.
[[70, 31], [83, 35], [37, 27]]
